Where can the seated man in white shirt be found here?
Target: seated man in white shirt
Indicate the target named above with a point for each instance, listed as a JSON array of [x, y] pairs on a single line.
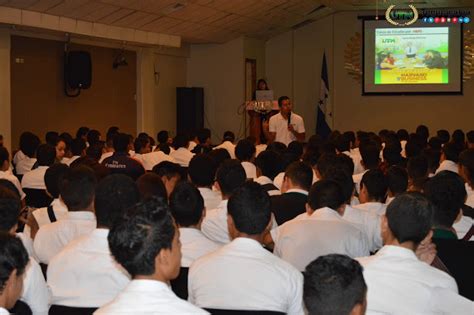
[[245, 153], [373, 190], [449, 158], [78, 149], [13, 262], [397, 181], [144, 155], [370, 154], [319, 231], [26, 157], [181, 154], [34, 179], [399, 283], [343, 146], [201, 172], [75, 272], [5, 172], [334, 284], [230, 176], [151, 185], [243, 268], [145, 242], [77, 189], [170, 174], [228, 143], [268, 166]]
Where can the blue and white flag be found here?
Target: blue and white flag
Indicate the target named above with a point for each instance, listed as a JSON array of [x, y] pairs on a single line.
[[322, 126]]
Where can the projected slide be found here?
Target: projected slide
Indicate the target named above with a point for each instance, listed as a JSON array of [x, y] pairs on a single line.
[[411, 55]]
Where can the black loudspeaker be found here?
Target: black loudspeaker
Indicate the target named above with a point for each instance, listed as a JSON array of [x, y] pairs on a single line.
[[190, 109], [78, 69]]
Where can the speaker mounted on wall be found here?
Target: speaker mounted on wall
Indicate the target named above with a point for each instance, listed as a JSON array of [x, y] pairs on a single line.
[[77, 72]]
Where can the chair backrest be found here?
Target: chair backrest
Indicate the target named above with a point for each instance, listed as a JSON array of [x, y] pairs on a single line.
[[37, 198], [21, 308], [215, 311], [63, 310], [180, 284]]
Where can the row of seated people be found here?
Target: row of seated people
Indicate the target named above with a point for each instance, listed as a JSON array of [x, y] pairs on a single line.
[[295, 236]]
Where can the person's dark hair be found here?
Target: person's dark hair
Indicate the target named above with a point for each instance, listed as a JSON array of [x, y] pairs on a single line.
[[402, 134], [186, 204], [228, 136], [345, 163], [344, 180], [250, 209], [435, 143], [51, 138], [447, 193], [4, 155], [8, 189], [262, 81], [470, 137], [29, 143], [277, 147], [138, 237], [433, 158], [180, 141], [370, 154], [78, 145], [53, 177], [444, 135], [423, 132], [202, 170], [162, 136], [458, 137], [397, 179], [164, 147], [392, 153], [82, 132], [120, 142], [113, 195], [343, 142], [140, 143], [417, 168], [220, 155], [466, 159], [111, 133], [203, 134], [9, 210], [244, 150], [333, 284], [94, 151], [149, 185], [410, 217], [451, 151], [13, 255], [325, 193], [93, 136], [269, 164], [296, 148], [412, 148], [168, 169], [281, 99], [45, 155], [230, 175], [300, 174], [77, 188], [376, 184]]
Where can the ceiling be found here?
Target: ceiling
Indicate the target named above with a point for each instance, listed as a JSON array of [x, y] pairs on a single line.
[[209, 21]]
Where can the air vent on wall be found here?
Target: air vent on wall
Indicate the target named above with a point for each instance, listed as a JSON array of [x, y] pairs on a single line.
[[301, 24]]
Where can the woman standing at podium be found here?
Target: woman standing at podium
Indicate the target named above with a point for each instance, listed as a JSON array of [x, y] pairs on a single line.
[[261, 86]]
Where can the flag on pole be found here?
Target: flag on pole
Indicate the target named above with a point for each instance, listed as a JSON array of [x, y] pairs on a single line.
[[322, 126]]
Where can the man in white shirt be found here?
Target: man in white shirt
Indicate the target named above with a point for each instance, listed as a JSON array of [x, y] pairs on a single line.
[[268, 166], [5, 171], [201, 172], [319, 231], [245, 153], [26, 157], [334, 284], [146, 243], [181, 155], [151, 159], [449, 158], [285, 126], [373, 190], [34, 179], [13, 262], [84, 274], [243, 268], [230, 176], [397, 181], [77, 190], [399, 283], [370, 154], [228, 144], [343, 146]]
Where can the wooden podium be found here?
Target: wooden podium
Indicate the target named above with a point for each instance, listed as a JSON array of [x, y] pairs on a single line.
[[257, 117]]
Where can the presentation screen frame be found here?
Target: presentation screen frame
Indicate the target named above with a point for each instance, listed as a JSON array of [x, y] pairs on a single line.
[[456, 70]]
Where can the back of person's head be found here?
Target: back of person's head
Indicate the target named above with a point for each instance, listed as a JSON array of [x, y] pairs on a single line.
[[435, 143], [151, 184], [113, 195], [202, 170], [325, 193], [375, 182], [433, 158], [423, 132], [268, 162], [447, 193], [244, 150], [203, 135], [334, 284], [51, 137], [4, 156], [162, 136], [402, 134], [78, 146], [409, 217], [458, 137], [53, 177], [94, 151], [186, 204], [230, 175], [412, 148], [29, 143], [277, 147], [8, 189], [10, 207], [345, 163], [326, 163], [164, 147], [343, 143], [111, 133], [392, 153], [397, 179], [300, 174], [82, 132], [451, 151], [180, 141], [444, 135], [77, 188], [140, 144], [220, 155], [470, 137], [228, 136], [250, 209], [370, 154], [295, 148], [138, 237], [13, 261], [45, 155], [417, 168], [344, 180], [168, 169], [466, 160], [121, 142], [93, 136]]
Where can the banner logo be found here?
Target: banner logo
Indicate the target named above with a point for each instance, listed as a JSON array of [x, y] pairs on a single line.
[[400, 17]]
